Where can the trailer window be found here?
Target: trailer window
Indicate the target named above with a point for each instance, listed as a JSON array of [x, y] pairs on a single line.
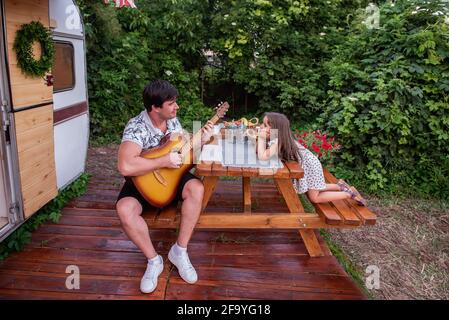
[[63, 69]]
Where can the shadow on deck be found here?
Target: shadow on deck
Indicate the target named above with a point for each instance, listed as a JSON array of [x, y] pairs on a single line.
[[256, 264]]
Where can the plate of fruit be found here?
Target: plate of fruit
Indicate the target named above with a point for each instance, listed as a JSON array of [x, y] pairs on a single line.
[[242, 123]]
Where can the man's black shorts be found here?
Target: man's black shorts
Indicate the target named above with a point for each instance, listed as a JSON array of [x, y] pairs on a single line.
[[130, 190]]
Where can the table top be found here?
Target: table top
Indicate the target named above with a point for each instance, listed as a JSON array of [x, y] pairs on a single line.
[[290, 170]]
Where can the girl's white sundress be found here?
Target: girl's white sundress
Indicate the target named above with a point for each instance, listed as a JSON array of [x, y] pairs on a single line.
[[313, 171]]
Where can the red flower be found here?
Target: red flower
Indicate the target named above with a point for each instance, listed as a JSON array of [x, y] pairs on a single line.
[[326, 146], [315, 147], [318, 142]]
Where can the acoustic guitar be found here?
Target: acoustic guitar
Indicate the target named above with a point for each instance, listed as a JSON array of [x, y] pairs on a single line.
[[159, 187]]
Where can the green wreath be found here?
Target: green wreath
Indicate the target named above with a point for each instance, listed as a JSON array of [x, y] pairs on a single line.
[[25, 37]]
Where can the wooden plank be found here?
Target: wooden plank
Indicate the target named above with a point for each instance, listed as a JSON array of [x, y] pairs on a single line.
[[311, 242], [34, 118], [295, 169], [282, 173], [330, 178], [246, 195], [204, 168], [26, 90], [328, 213], [219, 170], [209, 183], [228, 220], [250, 172], [36, 160], [35, 144], [266, 172], [363, 213], [168, 214], [33, 138], [42, 281], [26, 95], [20, 294], [349, 217], [235, 171], [367, 217], [208, 256], [26, 10], [34, 135], [291, 198], [34, 204], [243, 290], [40, 182]]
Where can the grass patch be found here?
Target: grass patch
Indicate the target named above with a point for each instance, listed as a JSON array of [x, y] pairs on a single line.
[[346, 263], [226, 178], [308, 206]]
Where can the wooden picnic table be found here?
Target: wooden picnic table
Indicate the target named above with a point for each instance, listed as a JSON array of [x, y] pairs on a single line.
[[296, 218], [336, 214]]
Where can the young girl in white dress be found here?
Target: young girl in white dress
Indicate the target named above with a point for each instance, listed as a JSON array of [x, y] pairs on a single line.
[[288, 149]]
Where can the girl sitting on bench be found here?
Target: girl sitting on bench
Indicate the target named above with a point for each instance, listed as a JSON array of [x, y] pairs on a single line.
[[288, 149]]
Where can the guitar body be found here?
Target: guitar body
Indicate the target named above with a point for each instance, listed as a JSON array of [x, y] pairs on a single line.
[[159, 187]]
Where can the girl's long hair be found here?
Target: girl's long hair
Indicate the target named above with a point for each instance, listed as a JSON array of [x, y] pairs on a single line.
[[288, 148]]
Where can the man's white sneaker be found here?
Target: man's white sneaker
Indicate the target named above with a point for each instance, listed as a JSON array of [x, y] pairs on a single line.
[[185, 268], [149, 280]]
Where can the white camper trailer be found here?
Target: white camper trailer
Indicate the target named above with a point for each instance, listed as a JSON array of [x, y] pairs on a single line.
[[45, 128]]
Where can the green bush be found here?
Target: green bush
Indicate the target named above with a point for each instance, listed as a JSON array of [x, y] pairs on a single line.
[[388, 99], [383, 93], [126, 49], [275, 49]]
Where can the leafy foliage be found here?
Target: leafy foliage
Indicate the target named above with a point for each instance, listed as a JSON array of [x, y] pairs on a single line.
[[383, 93], [128, 48], [275, 49], [388, 98]]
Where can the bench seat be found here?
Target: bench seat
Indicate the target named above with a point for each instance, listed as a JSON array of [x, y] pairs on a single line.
[[343, 212]]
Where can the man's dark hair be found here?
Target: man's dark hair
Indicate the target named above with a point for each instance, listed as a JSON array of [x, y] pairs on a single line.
[[157, 92]]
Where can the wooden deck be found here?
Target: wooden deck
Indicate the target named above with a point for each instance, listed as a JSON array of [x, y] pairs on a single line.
[[254, 264]]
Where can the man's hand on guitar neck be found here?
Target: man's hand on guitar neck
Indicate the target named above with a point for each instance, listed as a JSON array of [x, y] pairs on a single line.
[[206, 132]]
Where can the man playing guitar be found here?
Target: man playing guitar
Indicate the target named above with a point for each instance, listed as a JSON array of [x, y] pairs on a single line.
[[142, 133]]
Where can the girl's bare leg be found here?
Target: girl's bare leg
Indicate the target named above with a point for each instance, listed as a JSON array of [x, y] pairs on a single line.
[[331, 187], [318, 196]]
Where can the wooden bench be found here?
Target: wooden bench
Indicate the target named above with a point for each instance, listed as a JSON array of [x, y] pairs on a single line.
[[343, 212]]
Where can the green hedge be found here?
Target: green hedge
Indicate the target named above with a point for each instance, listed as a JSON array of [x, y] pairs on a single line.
[[388, 100]]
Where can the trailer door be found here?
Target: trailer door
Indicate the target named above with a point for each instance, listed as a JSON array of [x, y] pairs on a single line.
[[32, 105], [10, 211]]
